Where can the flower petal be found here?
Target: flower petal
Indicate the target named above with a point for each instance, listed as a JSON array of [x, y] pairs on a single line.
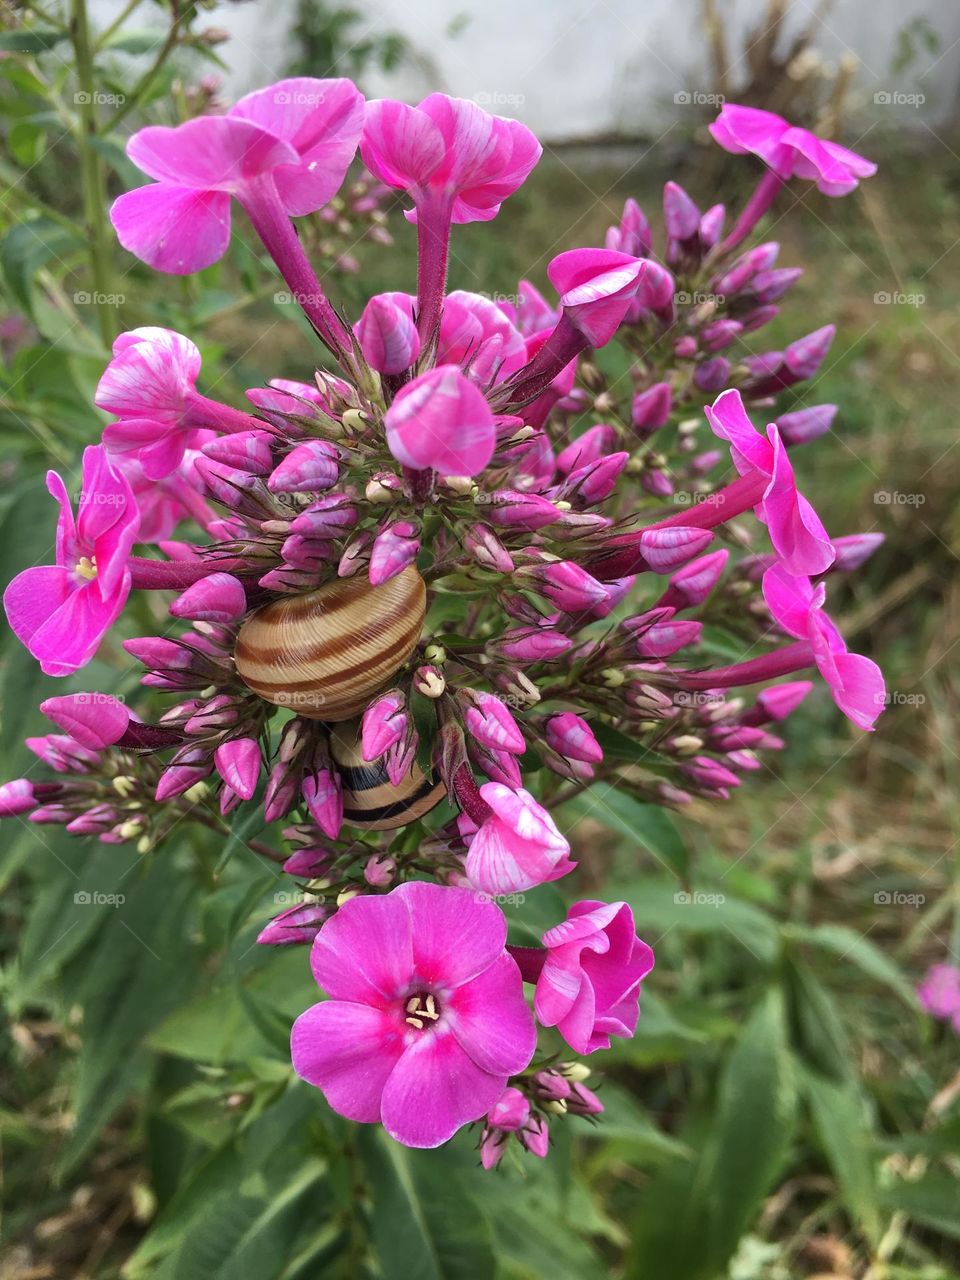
[[171, 228], [455, 934], [434, 1089], [365, 951], [491, 1021], [348, 1051]]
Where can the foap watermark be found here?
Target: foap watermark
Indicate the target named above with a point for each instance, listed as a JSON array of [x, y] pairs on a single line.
[[897, 298], [898, 98], [98, 99], [502, 899], [84, 298], [697, 899], [296, 98], [897, 898], [697, 98], [690, 497], [94, 898], [896, 498], [698, 298], [497, 98], [897, 698], [284, 299]]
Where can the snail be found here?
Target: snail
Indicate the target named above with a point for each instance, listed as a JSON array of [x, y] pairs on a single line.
[[370, 801], [325, 654]]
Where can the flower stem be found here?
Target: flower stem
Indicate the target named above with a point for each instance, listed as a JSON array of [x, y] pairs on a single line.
[[782, 662], [767, 190], [469, 798], [175, 575], [433, 251], [91, 168], [563, 345]]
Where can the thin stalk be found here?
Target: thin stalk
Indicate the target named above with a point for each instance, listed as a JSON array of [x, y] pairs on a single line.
[[104, 37], [91, 167], [145, 82]]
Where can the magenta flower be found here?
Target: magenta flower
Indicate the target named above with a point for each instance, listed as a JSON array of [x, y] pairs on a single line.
[[596, 288], [150, 384], [387, 333], [790, 151], [939, 993], [425, 1019], [589, 986], [795, 528], [288, 145], [518, 846], [457, 163], [61, 612], [856, 682], [441, 421], [95, 720], [448, 152]]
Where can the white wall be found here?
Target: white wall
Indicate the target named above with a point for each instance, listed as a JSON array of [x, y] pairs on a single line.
[[575, 68]]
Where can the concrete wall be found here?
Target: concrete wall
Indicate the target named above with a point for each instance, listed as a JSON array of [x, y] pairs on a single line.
[[576, 68]]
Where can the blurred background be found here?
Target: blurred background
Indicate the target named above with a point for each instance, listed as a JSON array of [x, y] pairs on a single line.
[[786, 1108]]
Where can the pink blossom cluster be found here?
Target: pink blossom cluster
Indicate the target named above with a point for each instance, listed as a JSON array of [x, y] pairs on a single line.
[[580, 538]]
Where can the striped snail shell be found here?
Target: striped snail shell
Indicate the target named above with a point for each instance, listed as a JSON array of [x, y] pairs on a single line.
[[325, 654], [370, 800]]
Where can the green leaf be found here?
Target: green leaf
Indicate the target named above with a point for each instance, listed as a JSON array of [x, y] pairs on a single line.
[[844, 1127], [646, 825], [859, 951], [135, 42], [28, 246], [425, 1227], [625, 1121], [31, 40], [245, 825], [930, 1201], [752, 1129]]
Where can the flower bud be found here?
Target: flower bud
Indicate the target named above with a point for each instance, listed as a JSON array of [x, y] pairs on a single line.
[[394, 548], [310, 466], [651, 408], [387, 334], [238, 764], [218, 598]]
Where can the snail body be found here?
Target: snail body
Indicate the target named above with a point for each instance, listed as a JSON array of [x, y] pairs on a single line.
[[370, 800], [325, 654]]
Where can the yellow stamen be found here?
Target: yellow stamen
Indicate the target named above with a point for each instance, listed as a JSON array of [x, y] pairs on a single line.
[[87, 567], [420, 1008]]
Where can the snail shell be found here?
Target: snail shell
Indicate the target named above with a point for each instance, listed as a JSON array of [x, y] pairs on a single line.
[[325, 654], [370, 800]]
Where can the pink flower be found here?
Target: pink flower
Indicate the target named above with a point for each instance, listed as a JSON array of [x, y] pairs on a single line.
[[589, 986], [795, 528], [238, 764], [150, 384], [217, 598], [790, 151], [164, 503], [292, 141], [596, 288], [939, 993], [297, 924], [441, 421], [394, 547], [425, 1019], [95, 720], [518, 846], [61, 612], [387, 333], [450, 151], [855, 682]]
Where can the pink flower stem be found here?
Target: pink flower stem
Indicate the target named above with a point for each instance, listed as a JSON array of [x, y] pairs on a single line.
[[204, 412], [732, 500], [469, 798], [149, 737], [433, 251], [529, 961], [564, 344], [272, 224], [175, 575], [766, 191], [782, 662], [625, 556]]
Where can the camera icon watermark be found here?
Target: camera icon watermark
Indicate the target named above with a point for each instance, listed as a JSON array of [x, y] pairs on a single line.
[[497, 98], [897, 298], [98, 99], [895, 498], [683, 298], [897, 98], [897, 898], [85, 298], [94, 898], [683, 898], [502, 899]]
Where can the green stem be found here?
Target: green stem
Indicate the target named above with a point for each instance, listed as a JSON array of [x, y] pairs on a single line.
[[91, 167], [104, 37], [143, 85]]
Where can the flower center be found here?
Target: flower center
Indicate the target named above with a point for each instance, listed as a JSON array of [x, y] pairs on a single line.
[[421, 1009], [86, 568]]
